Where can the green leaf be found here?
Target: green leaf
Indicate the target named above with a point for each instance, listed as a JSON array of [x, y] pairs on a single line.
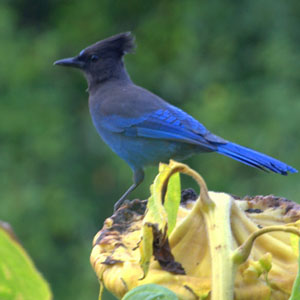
[[19, 278], [150, 292], [296, 287], [146, 248], [156, 216], [172, 200]]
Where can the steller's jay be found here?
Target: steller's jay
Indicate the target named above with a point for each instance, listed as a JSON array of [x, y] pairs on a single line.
[[141, 127]]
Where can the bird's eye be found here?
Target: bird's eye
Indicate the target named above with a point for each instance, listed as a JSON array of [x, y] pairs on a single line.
[[94, 58]]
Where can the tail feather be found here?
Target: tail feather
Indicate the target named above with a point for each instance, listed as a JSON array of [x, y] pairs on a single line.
[[255, 159]]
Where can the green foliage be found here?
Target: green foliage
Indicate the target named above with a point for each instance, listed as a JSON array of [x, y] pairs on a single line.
[[19, 278], [172, 200], [232, 65], [296, 287], [150, 292]]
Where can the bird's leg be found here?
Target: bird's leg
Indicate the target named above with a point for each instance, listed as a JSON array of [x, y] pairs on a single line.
[[123, 198], [138, 177]]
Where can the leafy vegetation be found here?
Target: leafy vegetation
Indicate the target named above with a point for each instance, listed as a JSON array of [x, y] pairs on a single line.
[[19, 279], [151, 292]]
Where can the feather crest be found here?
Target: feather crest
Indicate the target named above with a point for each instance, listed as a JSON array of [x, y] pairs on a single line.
[[119, 44]]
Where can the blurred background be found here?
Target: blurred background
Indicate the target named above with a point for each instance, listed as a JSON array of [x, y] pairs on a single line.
[[233, 65]]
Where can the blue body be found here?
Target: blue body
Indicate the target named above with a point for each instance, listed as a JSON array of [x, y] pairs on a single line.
[[140, 152], [143, 129]]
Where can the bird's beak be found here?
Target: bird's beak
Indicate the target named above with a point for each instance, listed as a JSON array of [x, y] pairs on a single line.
[[70, 62]]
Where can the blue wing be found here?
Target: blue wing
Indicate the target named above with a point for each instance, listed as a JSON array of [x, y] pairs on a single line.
[[173, 124], [169, 124]]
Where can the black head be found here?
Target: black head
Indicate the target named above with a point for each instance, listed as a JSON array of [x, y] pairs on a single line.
[[102, 59]]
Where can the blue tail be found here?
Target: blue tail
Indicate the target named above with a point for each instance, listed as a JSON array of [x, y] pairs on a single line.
[[255, 159]]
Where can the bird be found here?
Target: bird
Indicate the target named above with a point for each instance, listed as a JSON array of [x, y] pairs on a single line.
[[141, 127]]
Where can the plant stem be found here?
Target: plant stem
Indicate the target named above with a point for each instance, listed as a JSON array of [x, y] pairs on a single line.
[[217, 218]]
